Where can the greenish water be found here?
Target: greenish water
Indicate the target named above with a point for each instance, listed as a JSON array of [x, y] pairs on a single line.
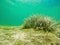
[[13, 12]]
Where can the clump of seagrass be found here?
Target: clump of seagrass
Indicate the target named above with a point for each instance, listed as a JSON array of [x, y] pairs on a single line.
[[41, 23]]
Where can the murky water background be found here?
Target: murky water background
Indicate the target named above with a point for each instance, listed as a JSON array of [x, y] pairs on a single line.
[[13, 12]]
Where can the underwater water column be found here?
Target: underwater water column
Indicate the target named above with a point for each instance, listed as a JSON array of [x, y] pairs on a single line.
[[13, 12]]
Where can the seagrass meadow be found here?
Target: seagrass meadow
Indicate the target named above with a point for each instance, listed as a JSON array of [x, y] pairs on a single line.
[[36, 30], [29, 22]]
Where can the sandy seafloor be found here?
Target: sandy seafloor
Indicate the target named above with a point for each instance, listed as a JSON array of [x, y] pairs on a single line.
[[17, 36]]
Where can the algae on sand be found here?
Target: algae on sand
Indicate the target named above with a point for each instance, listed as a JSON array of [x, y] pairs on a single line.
[[40, 22], [30, 36]]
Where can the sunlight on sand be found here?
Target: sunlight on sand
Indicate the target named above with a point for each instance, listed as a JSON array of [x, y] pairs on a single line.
[[20, 36]]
